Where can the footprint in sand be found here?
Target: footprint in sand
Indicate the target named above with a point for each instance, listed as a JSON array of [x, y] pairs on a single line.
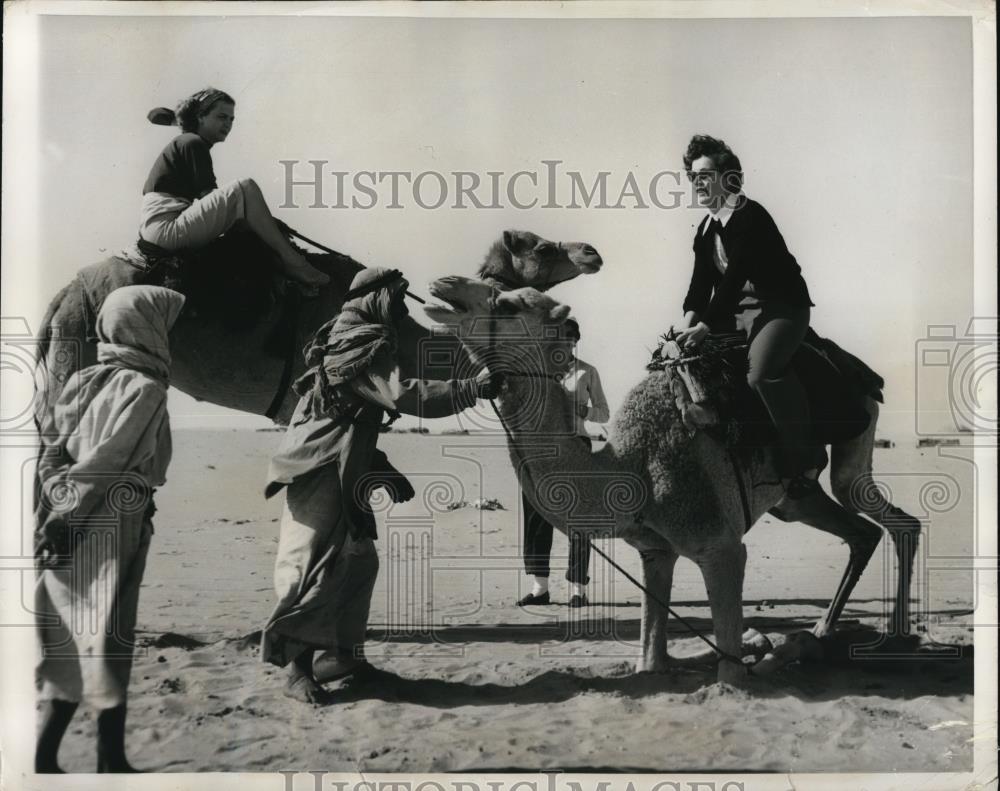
[[170, 686]]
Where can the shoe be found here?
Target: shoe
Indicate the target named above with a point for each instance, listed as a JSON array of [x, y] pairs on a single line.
[[578, 601], [534, 598], [801, 487]]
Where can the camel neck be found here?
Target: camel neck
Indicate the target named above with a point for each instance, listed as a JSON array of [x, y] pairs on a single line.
[[538, 414]]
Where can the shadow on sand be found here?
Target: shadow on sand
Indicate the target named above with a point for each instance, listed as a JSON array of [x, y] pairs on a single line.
[[859, 662]]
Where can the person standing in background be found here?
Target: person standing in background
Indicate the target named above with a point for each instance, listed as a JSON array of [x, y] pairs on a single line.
[[582, 382]]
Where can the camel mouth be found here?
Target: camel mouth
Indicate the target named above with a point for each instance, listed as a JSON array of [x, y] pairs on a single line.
[[586, 259], [443, 306]]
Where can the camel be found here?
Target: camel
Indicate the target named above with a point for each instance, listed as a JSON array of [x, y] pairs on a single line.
[[667, 492], [238, 367]]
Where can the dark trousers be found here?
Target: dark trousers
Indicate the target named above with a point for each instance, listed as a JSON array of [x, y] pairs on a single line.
[[538, 545]]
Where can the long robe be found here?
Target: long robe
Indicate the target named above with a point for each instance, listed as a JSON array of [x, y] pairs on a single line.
[[326, 566], [97, 487]]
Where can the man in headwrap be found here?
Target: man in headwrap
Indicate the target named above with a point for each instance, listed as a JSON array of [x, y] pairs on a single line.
[[327, 564], [93, 523]]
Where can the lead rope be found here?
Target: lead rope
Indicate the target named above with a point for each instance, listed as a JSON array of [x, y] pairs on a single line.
[[723, 655]]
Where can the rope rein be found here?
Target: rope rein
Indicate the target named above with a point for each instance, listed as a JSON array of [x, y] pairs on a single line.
[[723, 655]]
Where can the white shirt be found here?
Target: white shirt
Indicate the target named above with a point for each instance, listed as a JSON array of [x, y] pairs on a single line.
[[725, 211], [724, 215], [583, 383]]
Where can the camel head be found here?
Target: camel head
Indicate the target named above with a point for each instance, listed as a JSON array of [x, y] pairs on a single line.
[[521, 258], [509, 328]]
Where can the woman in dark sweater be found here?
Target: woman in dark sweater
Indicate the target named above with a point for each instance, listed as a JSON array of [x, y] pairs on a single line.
[[742, 267], [184, 208]]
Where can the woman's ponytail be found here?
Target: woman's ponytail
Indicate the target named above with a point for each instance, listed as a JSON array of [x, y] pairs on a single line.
[[162, 116]]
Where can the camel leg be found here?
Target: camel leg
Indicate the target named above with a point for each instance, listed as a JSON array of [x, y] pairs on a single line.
[[658, 576], [855, 489], [723, 567], [861, 536]]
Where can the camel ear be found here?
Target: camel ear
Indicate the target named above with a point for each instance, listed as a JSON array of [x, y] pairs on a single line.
[[516, 242], [560, 313], [509, 303]]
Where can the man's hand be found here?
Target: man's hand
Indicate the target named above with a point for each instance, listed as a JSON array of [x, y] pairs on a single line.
[[52, 541], [384, 474], [582, 410], [690, 339], [488, 384], [398, 487]]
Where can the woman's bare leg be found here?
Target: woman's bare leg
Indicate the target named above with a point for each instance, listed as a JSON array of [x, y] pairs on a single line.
[[262, 223], [777, 337]]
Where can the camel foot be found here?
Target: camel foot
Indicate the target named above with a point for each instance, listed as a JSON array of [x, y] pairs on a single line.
[[753, 642], [304, 689], [660, 664], [732, 673], [756, 644], [799, 647]]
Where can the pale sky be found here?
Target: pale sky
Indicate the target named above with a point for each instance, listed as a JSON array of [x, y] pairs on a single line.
[[856, 134]]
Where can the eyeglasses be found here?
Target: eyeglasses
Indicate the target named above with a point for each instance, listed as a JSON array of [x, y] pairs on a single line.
[[706, 175]]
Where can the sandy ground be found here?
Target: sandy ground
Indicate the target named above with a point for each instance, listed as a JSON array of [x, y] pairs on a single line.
[[467, 681]]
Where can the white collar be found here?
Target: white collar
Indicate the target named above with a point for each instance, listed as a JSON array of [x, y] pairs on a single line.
[[725, 212]]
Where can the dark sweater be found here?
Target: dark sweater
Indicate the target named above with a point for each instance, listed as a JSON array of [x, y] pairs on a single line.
[[183, 168], [756, 252]]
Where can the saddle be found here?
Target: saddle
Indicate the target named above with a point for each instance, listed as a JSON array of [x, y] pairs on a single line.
[[711, 391], [232, 280]]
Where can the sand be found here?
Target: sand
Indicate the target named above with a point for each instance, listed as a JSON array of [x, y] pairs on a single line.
[[466, 681]]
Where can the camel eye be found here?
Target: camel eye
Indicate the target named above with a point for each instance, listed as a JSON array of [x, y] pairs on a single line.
[[545, 249]]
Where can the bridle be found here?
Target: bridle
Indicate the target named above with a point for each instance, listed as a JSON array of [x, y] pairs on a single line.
[[511, 285], [522, 466]]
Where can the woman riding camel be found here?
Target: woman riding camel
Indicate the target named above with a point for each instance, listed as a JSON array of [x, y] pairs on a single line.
[[184, 208], [743, 269], [326, 567]]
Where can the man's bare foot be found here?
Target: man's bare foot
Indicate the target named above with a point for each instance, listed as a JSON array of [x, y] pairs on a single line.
[[301, 271], [303, 687], [333, 666]]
